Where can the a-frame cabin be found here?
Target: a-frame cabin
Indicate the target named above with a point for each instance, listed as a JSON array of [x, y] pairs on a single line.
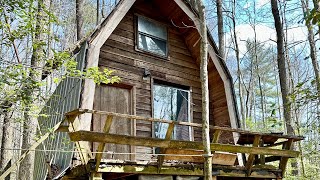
[[148, 126]]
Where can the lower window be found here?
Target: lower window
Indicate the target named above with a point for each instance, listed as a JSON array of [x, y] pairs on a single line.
[[171, 103]]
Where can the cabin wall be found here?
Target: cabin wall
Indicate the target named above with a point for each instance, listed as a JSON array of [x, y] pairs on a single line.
[[119, 53]]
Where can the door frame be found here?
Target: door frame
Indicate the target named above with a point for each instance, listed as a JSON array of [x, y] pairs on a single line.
[[132, 101]]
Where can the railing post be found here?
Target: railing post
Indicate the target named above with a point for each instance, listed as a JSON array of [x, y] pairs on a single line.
[[284, 160], [163, 150], [216, 135], [251, 157], [101, 146], [96, 176]]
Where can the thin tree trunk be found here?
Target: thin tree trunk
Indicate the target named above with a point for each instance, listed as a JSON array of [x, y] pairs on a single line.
[[316, 5], [257, 67], [103, 13], [261, 102], [30, 122], [220, 29], [282, 67], [278, 95], [313, 52], [205, 92], [79, 18], [98, 12], [237, 51], [6, 139]]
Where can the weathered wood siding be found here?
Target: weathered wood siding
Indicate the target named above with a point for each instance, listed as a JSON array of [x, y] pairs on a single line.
[[113, 99], [182, 67]]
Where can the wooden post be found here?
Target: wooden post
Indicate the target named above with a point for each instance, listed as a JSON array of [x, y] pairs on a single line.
[[163, 150], [251, 157], [284, 160], [74, 126], [216, 135], [101, 146], [96, 176], [262, 157]]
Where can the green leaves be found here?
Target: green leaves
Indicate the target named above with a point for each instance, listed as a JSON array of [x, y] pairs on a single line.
[[99, 77]]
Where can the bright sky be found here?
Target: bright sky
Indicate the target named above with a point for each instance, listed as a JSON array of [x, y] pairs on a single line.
[[266, 34], [265, 31]]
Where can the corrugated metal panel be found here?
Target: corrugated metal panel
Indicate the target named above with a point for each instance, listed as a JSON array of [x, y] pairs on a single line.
[[65, 98]]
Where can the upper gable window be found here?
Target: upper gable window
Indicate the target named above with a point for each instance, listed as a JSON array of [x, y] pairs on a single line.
[[152, 37]]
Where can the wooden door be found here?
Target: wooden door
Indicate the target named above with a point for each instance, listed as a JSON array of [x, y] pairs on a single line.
[[113, 99]]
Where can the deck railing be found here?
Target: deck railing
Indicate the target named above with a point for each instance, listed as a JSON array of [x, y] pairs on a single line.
[[252, 144]]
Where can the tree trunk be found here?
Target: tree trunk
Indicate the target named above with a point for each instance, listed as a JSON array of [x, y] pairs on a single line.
[[282, 67], [220, 29], [98, 12], [205, 92], [313, 51], [237, 51], [30, 122], [6, 139], [261, 102], [103, 14], [79, 18], [316, 5]]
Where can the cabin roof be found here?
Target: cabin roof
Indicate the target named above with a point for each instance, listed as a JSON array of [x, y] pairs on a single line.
[[108, 24]]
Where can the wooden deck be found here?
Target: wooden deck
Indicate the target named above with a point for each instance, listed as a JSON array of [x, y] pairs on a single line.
[[258, 149]]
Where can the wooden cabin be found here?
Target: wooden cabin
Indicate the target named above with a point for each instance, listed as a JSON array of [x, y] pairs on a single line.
[[148, 126]]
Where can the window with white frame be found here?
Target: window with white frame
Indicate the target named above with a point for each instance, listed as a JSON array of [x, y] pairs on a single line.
[[152, 37], [171, 103]]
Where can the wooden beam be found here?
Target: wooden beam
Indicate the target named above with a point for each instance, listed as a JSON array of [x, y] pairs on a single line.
[[111, 22], [275, 144], [169, 131], [251, 157], [163, 150], [134, 117], [216, 135], [175, 144], [63, 129], [262, 157], [138, 169], [95, 176], [196, 156], [76, 112], [272, 158], [101, 146], [74, 125], [187, 171], [284, 160]]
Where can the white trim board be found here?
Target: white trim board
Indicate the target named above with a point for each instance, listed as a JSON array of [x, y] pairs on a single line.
[[110, 23]]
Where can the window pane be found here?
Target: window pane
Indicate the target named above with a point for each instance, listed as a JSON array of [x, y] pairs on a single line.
[[152, 45], [172, 104], [151, 28]]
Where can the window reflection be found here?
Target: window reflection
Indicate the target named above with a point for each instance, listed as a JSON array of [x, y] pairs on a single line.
[[152, 37], [171, 103]]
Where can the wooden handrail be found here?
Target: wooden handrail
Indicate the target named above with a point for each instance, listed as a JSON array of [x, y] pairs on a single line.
[[92, 136], [226, 129]]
